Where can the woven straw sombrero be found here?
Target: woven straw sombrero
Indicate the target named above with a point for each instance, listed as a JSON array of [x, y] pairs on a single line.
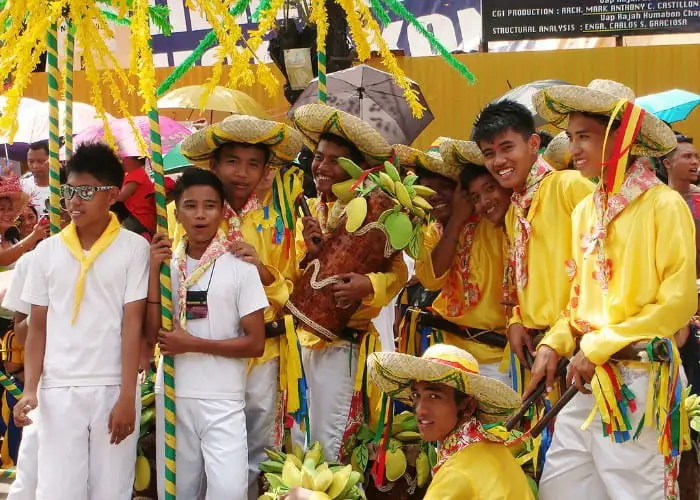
[[557, 153], [313, 120], [11, 188], [554, 104], [283, 141], [430, 160], [458, 152], [394, 373]]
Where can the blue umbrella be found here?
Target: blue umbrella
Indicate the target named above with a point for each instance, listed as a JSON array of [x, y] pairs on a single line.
[[670, 106]]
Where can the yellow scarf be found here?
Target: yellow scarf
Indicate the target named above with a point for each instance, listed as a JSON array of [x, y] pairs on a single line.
[[70, 238]]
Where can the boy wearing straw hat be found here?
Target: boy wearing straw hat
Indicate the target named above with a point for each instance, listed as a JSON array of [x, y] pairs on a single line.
[[632, 270], [463, 259], [241, 150], [87, 286], [335, 370], [542, 199], [219, 305]]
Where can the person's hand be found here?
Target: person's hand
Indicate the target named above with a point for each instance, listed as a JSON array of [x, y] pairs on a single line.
[[313, 236], [21, 410], [41, 230], [161, 249], [581, 371], [298, 494], [122, 418], [246, 252], [175, 342], [520, 339], [545, 366], [355, 288], [462, 205]]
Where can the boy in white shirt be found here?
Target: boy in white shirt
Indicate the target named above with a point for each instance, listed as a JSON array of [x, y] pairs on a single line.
[[87, 287], [219, 303]]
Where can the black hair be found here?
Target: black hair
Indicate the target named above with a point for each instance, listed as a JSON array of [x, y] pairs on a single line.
[[260, 147], [194, 176], [498, 117], [355, 154], [471, 172], [545, 138], [36, 146], [98, 160]]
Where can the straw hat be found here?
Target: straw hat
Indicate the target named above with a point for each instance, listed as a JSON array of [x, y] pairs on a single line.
[[430, 160], [282, 140], [557, 153], [313, 120], [394, 372], [11, 187], [458, 152], [554, 104]]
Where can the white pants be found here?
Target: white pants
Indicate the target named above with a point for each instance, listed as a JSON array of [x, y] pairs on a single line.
[[76, 459], [263, 422], [210, 444], [330, 374], [492, 370], [24, 485], [585, 465]]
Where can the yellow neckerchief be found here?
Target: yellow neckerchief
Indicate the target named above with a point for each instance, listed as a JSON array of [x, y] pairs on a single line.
[[70, 237]]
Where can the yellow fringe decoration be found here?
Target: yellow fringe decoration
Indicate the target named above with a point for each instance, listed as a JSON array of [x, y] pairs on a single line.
[[319, 17], [357, 31]]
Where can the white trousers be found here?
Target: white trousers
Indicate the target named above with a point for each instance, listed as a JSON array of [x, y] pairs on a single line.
[[76, 459], [585, 465], [263, 421], [24, 485], [211, 451], [330, 373], [492, 370]]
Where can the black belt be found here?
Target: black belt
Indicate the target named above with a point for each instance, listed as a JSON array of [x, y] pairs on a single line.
[[487, 337], [277, 328]]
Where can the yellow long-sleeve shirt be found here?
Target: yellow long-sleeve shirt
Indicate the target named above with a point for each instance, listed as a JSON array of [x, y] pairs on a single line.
[[485, 270], [279, 258], [651, 291], [481, 471], [541, 302], [385, 285]]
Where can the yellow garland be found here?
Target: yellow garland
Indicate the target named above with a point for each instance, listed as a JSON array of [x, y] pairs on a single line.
[[392, 66], [267, 22], [319, 17], [356, 29]]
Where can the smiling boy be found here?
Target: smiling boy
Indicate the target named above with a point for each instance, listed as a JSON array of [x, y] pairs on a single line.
[[538, 223], [87, 287]]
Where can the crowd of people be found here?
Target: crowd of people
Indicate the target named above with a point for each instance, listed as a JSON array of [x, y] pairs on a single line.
[[581, 247]]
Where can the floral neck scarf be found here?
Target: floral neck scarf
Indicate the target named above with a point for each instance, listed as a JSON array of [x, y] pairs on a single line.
[[522, 202], [218, 247], [637, 181], [236, 219], [472, 293], [470, 432]]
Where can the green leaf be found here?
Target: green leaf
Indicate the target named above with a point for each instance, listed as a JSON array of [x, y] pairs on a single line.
[[410, 180], [366, 434], [695, 424], [361, 456]]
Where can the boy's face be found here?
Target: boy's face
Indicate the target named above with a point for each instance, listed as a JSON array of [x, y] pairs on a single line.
[[442, 199], [436, 409], [491, 200], [200, 211], [240, 169], [586, 137], [510, 156], [94, 204], [325, 167], [683, 163]]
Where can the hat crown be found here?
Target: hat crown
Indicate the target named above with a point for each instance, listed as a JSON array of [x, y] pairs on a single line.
[[452, 356], [613, 88]]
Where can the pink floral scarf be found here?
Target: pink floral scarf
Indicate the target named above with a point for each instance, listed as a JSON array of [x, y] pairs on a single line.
[[471, 292], [522, 202]]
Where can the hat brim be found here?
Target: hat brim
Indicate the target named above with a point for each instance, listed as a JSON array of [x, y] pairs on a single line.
[[411, 157], [314, 120], [394, 373], [554, 104], [282, 140], [459, 152]]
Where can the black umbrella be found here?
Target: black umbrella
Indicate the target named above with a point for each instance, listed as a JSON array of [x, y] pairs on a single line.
[[372, 95], [524, 93]]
